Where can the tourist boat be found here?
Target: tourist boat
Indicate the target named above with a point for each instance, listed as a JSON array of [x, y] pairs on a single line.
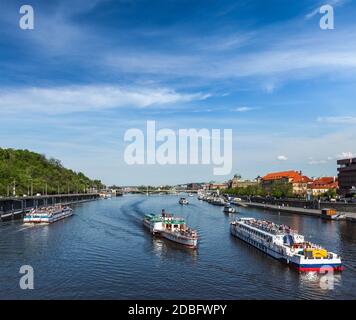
[[172, 228], [183, 201], [229, 209], [48, 214], [285, 244]]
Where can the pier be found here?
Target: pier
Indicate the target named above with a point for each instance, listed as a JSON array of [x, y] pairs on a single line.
[[16, 207]]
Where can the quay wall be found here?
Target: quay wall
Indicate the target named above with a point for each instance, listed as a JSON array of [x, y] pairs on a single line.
[[304, 204], [15, 207]]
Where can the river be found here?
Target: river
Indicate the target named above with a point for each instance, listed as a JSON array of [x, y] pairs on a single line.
[[104, 252]]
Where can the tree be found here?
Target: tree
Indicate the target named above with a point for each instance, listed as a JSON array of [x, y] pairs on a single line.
[[33, 170], [281, 190]]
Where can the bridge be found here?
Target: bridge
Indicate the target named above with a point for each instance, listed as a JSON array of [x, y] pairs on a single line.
[[160, 191], [16, 207]]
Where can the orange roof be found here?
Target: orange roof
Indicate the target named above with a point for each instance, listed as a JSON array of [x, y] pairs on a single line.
[[302, 179], [294, 176], [325, 183]]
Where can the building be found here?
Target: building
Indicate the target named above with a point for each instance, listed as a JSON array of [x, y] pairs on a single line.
[[301, 185], [194, 186], [218, 186], [237, 182], [347, 176], [323, 185], [299, 182]]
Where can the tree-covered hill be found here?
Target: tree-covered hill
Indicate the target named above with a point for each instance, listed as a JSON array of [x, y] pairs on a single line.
[[31, 172]]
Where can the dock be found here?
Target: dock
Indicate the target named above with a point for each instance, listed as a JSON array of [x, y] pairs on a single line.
[[16, 207]]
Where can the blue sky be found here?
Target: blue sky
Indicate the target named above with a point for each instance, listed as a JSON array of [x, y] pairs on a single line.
[[90, 70]]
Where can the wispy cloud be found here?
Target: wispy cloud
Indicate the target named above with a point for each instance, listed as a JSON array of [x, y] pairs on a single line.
[[70, 99], [317, 162], [282, 158], [334, 3], [346, 155], [243, 109], [338, 120]]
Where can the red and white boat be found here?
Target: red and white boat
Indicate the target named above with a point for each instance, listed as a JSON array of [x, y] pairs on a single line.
[[285, 244], [172, 228]]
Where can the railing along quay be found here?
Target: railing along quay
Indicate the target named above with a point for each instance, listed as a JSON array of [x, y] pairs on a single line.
[[16, 207]]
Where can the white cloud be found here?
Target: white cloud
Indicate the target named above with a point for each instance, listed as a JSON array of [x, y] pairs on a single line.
[[282, 158], [338, 120], [346, 155], [333, 3], [243, 109], [317, 162], [59, 100]]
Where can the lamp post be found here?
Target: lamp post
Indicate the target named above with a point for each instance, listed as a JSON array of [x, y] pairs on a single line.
[[14, 188], [31, 187]]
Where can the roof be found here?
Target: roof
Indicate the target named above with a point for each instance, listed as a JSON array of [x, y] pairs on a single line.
[[302, 179], [325, 183], [294, 176]]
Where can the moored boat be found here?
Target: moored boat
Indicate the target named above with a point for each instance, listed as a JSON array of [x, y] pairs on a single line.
[[218, 201], [47, 214], [285, 244], [330, 214], [172, 228]]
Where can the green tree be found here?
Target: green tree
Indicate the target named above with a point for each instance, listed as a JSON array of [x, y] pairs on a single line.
[[281, 190], [32, 171]]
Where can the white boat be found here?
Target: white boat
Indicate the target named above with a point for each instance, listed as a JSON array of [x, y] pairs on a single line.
[[172, 228], [183, 201], [218, 201], [285, 244], [47, 214], [229, 209]]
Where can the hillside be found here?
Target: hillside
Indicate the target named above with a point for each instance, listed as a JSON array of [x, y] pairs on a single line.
[[31, 171]]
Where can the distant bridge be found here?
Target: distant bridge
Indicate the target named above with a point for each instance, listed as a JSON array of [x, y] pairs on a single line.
[[161, 191], [16, 207]]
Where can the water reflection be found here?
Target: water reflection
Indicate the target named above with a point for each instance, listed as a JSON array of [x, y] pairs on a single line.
[[167, 249]]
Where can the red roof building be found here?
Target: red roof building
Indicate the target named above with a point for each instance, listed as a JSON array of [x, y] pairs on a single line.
[[323, 185], [299, 181]]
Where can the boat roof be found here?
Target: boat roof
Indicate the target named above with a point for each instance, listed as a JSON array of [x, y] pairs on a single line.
[[160, 218], [266, 227]]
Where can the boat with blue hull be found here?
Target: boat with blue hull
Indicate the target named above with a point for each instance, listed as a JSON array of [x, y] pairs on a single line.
[[47, 215], [286, 245]]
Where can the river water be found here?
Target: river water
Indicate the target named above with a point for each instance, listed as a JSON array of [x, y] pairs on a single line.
[[104, 252]]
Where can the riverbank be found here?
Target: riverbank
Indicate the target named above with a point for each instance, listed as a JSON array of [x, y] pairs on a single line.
[[15, 208], [348, 216]]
